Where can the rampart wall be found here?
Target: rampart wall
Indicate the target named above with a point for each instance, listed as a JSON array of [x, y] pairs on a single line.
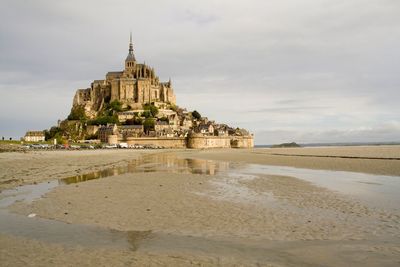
[[178, 142], [199, 142], [209, 142]]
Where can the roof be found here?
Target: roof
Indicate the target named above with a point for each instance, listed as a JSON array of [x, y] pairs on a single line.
[[34, 133], [113, 73], [130, 57], [126, 127], [162, 123]]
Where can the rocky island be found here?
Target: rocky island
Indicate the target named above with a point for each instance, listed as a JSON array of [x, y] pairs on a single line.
[[133, 106]]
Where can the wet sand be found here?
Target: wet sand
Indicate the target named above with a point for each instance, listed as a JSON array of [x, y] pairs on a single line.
[[207, 213], [354, 159], [36, 166]]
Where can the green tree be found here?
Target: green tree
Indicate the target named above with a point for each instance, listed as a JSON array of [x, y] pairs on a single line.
[[164, 119], [151, 108], [138, 121], [148, 124], [173, 107], [77, 113], [103, 120], [116, 106], [196, 115], [146, 114]]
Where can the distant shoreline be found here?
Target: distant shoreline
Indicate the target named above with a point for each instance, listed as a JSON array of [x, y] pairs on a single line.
[[338, 144]]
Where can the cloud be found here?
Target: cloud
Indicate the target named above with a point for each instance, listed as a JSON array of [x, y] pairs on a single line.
[[279, 68]]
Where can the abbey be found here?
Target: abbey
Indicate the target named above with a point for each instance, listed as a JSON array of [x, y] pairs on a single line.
[[136, 85]]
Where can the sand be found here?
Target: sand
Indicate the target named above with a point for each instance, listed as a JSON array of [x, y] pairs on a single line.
[[305, 158], [202, 219], [36, 166]]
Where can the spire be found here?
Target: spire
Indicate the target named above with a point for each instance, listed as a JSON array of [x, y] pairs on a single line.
[[130, 44], [131, 56]]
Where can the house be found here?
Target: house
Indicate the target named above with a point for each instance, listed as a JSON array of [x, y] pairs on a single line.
[[206, 129], [34, 136], [106, 130], [161, 125], [186, 123]]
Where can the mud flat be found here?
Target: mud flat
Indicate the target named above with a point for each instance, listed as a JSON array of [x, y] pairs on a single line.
[[205, 208], [36, 166], [367, 159]]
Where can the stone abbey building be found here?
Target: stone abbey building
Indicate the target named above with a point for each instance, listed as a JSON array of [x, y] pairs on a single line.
[[136, 85]]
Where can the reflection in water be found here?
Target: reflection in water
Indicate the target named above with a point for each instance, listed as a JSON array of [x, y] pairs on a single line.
[[135, 238], [168, 163]]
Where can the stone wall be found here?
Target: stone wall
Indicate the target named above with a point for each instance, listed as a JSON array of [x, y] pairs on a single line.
[[242, 142], [209, 142], [178, 142]]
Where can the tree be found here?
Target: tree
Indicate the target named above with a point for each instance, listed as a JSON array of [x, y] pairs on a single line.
[[164, 119], [151, 108], [146, 114], [77, 113], [148, 124], [173, 107], [103, 120], [138, 121], [52, 133], [116, 106], [196, 115]]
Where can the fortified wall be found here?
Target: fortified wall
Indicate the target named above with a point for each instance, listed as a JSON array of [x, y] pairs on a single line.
[[178, 142], [196, 142]]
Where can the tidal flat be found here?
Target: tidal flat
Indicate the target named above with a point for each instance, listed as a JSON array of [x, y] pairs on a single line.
[[328, 206]]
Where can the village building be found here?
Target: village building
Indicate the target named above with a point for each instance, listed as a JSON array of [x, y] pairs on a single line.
[[34, 136], [106, 130]]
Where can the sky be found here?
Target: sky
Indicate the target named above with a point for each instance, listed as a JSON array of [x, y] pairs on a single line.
[[307, 71]]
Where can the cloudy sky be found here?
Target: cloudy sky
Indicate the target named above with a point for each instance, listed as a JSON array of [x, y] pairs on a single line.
[[288, 70]]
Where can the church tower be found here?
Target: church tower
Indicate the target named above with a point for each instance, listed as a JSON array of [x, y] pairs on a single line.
[[130, 61]]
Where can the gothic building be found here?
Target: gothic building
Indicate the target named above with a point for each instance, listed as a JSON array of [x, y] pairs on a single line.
[[136, 85]]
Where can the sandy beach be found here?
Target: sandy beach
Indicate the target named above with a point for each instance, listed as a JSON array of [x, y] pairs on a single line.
[[201, 208]]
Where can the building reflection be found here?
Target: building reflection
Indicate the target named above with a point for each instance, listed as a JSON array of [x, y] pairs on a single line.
[[163, 162]]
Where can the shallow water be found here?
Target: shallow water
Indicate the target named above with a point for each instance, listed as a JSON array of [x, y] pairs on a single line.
[[377, 190]]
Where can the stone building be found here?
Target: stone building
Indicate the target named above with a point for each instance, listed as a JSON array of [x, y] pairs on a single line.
[[34, 136], [106, 130], [134, 86]]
